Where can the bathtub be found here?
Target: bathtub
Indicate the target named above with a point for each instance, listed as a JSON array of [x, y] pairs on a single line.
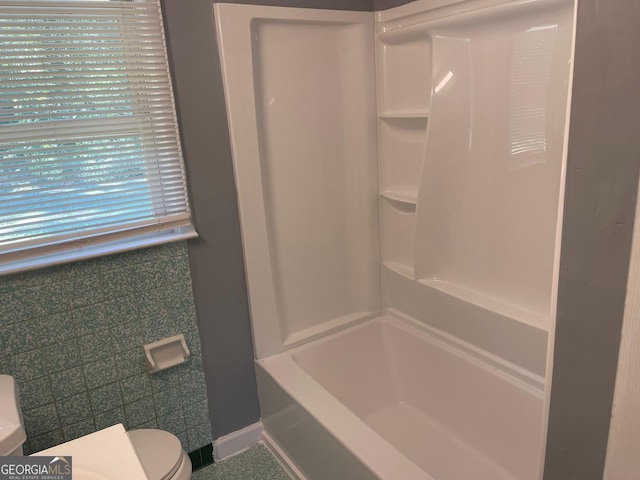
[[387, 400]]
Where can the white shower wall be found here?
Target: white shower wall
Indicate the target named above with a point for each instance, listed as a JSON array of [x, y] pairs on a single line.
[[300, 88], [471, 116], [454, 206]]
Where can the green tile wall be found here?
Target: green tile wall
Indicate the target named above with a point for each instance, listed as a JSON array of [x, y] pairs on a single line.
[[73, 335]]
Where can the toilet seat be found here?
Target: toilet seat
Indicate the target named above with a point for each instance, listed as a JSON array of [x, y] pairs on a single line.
[[161, 454]]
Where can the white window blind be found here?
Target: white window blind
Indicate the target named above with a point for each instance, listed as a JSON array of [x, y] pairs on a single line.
[[90, 157]]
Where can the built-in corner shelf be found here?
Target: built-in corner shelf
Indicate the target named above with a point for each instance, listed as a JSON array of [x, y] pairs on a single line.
[[405, 115], [404, 98], [404, 35], [401, 200], [400, 269]]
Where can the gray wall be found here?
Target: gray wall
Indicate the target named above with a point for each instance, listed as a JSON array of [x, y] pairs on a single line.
[[385, 4], [360, 5], [216, 257], [601, 186], [216, 260]]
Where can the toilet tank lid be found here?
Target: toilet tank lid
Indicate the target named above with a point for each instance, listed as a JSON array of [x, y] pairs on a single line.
[[12, 433], [159, 452]]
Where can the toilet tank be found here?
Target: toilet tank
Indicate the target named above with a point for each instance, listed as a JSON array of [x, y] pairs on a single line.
[[12, 433]]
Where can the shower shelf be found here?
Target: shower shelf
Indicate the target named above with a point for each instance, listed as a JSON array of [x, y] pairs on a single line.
[[402, 202], [400, 269], [537, 318], [407, 199], [415, 115], [404, 34]]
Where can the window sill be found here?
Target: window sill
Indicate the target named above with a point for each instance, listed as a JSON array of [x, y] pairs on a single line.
[[11, 266]]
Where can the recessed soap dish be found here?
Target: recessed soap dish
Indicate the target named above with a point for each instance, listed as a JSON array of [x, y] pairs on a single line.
[[166, 353]]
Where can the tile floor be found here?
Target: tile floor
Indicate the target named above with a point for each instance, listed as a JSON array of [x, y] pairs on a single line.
[[254, 464]]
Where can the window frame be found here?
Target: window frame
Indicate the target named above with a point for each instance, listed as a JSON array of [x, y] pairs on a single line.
[[39, 252]]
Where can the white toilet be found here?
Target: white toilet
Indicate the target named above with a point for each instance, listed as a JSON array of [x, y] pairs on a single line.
[[161, 455], [159, 452]]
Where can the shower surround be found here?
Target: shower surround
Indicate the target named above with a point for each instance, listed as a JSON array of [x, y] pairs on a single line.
[[400, 182]]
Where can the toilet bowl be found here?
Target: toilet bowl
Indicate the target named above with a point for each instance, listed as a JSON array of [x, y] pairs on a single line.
[[161, 454]]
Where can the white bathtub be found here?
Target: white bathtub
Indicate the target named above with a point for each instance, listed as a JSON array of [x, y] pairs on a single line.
[[401, 405]]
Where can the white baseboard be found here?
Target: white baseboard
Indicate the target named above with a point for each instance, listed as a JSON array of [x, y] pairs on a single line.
[[282, 457], [236, 442]]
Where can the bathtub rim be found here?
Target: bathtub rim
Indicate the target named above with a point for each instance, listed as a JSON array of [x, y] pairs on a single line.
[[367, 446]]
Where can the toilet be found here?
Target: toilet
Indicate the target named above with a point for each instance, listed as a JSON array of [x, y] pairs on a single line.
[[159, 452], [12, 433]]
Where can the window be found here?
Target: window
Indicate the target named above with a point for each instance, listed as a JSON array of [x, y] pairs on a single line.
[[90, 157]]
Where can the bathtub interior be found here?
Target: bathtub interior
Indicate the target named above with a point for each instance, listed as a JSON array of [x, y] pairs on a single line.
[[448, 412]]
